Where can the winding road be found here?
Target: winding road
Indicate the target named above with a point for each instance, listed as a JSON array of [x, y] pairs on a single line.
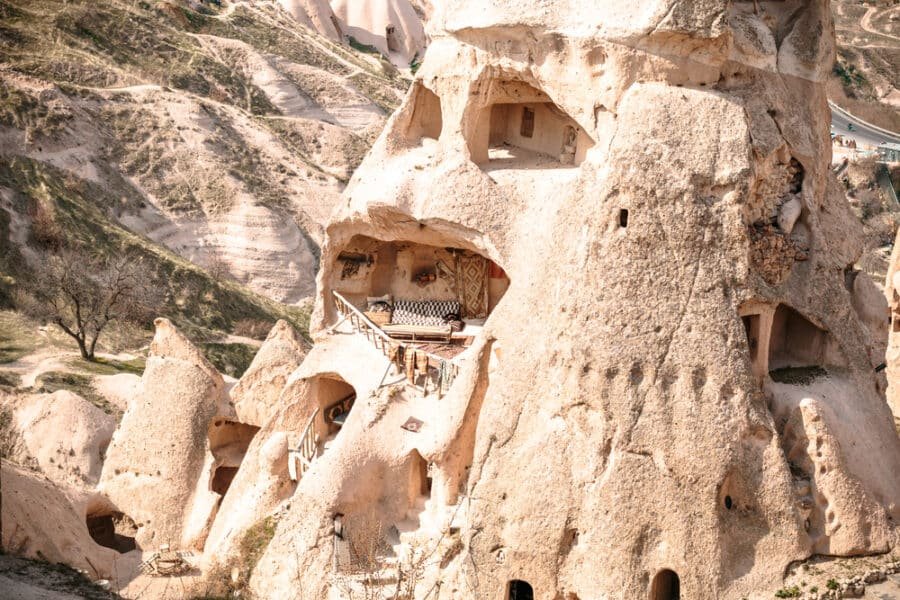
[[864, 133]]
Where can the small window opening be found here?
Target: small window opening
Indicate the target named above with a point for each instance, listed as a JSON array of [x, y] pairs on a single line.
[[798, 343], [222, 479], [426, 120], [390, 35], [520, 590], [623, 217], [666, 586], [527, 128], [728, 502]]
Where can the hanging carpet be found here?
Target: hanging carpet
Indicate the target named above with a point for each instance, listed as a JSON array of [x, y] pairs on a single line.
[[471, 285]]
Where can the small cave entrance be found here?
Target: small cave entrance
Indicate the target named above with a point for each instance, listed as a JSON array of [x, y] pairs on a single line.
[[426, 120], [418, 292], [335, 398], [798, 344], [666, 586], [228, 442], [420, 481], [222, 478], [520, 127], [113, 530], [519, 590]]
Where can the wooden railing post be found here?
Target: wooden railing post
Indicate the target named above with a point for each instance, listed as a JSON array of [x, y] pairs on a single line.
[[382, 341]]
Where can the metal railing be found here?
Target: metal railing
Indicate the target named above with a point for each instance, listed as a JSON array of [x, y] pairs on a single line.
[[382, 341]]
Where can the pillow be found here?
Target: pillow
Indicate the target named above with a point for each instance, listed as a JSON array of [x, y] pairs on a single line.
[[372, 300]]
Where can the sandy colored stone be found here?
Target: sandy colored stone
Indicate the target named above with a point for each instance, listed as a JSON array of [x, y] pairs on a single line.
[[43, 520], [64, 434], [156, 456], [256, 395], [688, 386], [392, 26]]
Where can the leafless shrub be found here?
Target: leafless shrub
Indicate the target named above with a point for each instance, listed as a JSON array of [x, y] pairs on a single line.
[[44, 228], [374, 573], [216, 266], [83, 292]]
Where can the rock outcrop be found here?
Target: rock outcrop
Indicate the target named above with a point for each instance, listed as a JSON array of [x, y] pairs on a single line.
[[673, 393], [256, 395], [43, 520], [65, 435], [392, 26], [157, 455], [892, 357]]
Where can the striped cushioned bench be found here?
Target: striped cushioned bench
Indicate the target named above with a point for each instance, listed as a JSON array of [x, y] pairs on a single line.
[[421, 319]]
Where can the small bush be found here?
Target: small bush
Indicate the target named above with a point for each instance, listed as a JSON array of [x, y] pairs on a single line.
[[9, 436], [256, 329], [788, 592], [831, 584], [231, 579], [9, 379]]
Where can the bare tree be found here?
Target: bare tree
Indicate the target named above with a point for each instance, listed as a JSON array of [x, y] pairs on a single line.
[[372, 573], [84, 292]]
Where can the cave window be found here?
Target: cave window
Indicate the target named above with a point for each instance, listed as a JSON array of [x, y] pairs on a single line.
[[335, 398], [390, 35], [623, 218], [228, 443], [797, 342], [427, 120], [520, 590], [112, 530], [666, 586], [728, 502], [222, 479], [527, 128], [519, 127]]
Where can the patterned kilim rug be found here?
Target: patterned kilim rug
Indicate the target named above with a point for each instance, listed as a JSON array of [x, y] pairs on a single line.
[[471, 285]]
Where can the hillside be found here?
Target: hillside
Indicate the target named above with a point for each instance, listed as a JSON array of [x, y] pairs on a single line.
[[223, 134], [866, 78]]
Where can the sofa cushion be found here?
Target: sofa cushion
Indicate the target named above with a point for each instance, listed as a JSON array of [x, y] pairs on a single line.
[[423, 312]]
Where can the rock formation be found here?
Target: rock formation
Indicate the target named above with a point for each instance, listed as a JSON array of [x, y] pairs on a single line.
[[256, 395], [892, 357], [391, 26], [665, 383], [153, 466], [66, 435], [40, 520], [315, 14]]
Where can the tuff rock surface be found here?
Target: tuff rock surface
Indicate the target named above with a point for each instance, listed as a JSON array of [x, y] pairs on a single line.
[[680, 379]]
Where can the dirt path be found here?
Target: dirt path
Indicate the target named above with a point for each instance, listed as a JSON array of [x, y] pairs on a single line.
[[866, 22]]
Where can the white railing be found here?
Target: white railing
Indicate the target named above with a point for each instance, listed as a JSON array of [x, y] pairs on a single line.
[[300, 459], [381, 340]]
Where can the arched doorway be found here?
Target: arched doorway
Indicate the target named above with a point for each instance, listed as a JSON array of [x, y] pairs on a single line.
[[666, 586], [520, 590], [335, 398]]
